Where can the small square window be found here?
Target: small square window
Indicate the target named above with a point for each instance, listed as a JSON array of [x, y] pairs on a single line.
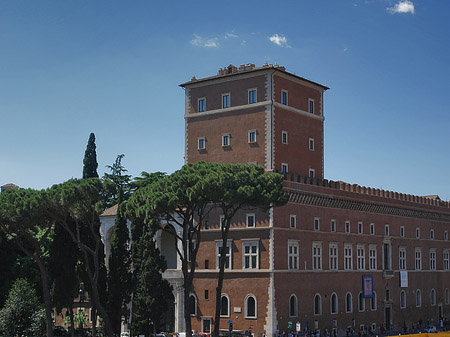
[[206, 264], [284, 97], [293, 221], [226, 139], [372, 229], [360, 227], [333, 225], [201, 143], [311, 106], [347, 226], [431, 234], [284, 137], [316, 224], [225, 101], [284, 168], [252, 96], [201, 104], [311, 144], [418, 233], [402, 231], [312, 174], [250, 220], [386, 230], [252, 136]]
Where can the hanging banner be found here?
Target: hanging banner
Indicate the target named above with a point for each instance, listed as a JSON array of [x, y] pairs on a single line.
[[367, 281]]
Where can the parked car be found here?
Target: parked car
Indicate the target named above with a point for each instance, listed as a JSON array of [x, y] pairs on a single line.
[[430, 329]]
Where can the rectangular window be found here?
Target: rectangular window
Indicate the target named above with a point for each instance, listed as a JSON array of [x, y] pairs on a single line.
[[201, 143], [251, 254], [311, 106], [250, 220], [333, 225], [360, 227], [206, 264], [206, 224], [284, 168], [312, 174], [293, 221], [347, 226], [402, 259], [348, 257], [386, 230], [311, 144], [431, 234], [227, 255], [225, 101], [445, 235], [418, 233], [292, 255], [361, 258], [252, 96], [333, 256], [202, 104], [284, 97], [226, 139], [372, 229], [446, 259], [316, 224], [402, 231], [372, 257], [418, 259], [252, 136], [432, 259], [284, 137], [206, 294], [317, 256]]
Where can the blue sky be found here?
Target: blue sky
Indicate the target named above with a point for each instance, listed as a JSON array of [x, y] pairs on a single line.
[[68, 68]]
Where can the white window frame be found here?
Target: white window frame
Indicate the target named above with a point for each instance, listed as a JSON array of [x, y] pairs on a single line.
[[229, 307], [348, 308], [316, 224], [210, 323], [446, 259], [311, 145], [295, 306], [310, 100], [312, 173], [229, 100], [292, 221], [284, 165], [432, 259], [287, 97], [199, 140], [386, 230], [284, 137], [318, 309], [204, 104], [361, 257], [373, 302], [249, 216], [256, 96], [316, 256], [418, 258], [402, 258], [347, 226], [348, 257], [196, 304], [246, 307], [226, 140], [372, 257], [402, 231], [372, 229], [250, 132], [360, 227], [402, 299], [333, 256], [431, 234], [293, 255], [250, 254], [228, 256], [418, 298], [334, 311], [333, 225]]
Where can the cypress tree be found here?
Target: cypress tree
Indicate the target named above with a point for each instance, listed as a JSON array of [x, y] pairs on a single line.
[[90, 159]]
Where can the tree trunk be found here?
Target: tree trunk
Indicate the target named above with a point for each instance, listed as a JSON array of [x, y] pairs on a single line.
[[94, 320], [46, 294], [72, 323], [187, 314]]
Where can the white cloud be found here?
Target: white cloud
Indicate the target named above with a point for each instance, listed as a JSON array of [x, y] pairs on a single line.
[[202, 42], [230, 35], [404, 6], [279, 40]]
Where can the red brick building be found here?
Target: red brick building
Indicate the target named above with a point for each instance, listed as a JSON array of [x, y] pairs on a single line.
[[337, 254]]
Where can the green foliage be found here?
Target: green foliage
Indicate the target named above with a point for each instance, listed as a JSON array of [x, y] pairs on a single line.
[[22, 312], [80, 319], [90, 164], [114, 182]]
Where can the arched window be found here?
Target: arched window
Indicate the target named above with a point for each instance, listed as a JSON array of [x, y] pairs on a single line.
[[373, 302], [418, 298], [402, 299], [361, 302], [447, 296], [250, 307], [317, 305], [293, 306], [433, 297], [348, 303], [334, 304], [224, 306], [193, 305]]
